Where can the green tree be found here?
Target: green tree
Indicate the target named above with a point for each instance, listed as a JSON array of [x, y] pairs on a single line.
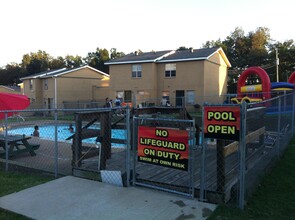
[[115, 54], [57, 63], [97, 59], [73, 61], [286, 55], [210, 44], [259, 42], [36, 62], [2, 76], [11, 74], [182, 48], [244, 51]]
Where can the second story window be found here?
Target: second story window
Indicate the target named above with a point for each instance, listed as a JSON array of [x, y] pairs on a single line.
[[45, 84], [31, 84], [170, 70], [136, 71]]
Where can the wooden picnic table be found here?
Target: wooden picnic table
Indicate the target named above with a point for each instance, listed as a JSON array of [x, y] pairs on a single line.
[[17, 144]]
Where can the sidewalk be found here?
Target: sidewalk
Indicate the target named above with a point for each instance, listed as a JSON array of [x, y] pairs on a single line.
[[75, 198]]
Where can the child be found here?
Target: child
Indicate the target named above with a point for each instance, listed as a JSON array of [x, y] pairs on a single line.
[[71, 129], [36, 131], [117, 102]]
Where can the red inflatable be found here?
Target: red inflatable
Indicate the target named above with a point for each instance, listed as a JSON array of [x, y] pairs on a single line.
[[292, 78], [265, 81]]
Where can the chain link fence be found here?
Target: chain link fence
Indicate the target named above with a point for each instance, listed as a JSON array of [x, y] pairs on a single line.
[[275, 119], [233, 169], [191, 103], [164, 154], [108, 144], [90, 143]]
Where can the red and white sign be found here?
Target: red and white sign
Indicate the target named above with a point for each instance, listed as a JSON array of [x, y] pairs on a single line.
[[163, 146], [222, 122]]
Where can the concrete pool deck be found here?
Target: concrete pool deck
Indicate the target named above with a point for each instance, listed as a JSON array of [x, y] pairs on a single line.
[[75, 198]]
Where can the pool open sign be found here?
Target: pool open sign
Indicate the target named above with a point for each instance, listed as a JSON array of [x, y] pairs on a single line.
[[163, 146], [222, 122]]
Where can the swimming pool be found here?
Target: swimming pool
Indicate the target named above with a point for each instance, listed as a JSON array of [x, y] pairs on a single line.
[[47, 132]]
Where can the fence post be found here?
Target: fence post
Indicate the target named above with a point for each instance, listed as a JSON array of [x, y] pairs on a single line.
[[279, 126], [220, 169], [55, 144], [6, 143], [202, 162], [134, 149], [242, 153], [191, 158], [293, 112], [128, 148]]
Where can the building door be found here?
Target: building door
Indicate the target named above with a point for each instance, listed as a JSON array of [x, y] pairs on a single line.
[[179, 98], [127, 96], [49, 105]]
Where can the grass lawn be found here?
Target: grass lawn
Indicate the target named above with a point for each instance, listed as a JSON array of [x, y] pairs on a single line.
[[15, 181], [275, 197]]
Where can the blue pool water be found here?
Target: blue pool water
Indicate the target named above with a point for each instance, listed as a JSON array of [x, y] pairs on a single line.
[[47, 132]]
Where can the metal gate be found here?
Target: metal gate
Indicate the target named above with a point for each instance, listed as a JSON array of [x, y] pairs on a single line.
[[163, 155]]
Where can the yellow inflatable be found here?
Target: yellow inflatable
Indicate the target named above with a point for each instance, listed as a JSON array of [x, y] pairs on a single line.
[[245, 99], [252, 88]]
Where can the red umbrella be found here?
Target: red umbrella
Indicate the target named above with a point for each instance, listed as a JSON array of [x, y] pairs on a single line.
[[12, 102]]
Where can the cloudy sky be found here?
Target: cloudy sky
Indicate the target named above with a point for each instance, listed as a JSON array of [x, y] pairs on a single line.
[[76, 27]]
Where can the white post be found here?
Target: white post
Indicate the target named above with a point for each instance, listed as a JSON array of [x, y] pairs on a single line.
[[277, 65], [55, 93]]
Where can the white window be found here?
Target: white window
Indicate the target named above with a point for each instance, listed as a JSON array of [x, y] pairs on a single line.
[[170, 70], [136, 71], [190, 97], [45, 84], [31, 84], [140, 92], [120, 94]]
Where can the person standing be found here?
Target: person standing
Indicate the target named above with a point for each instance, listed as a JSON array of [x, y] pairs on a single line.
[[108, 104], [197, 134], [117, 102], [163, 101], [71, 129], [36, 131]]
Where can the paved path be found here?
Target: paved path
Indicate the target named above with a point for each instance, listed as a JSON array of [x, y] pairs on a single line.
[[75, 198]]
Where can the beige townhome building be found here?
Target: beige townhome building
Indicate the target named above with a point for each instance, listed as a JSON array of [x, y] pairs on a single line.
[[10, 89], [180, 78], [54, 88], [183, 78]]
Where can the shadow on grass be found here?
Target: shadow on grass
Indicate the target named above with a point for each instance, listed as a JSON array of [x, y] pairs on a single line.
[[274, 198]]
